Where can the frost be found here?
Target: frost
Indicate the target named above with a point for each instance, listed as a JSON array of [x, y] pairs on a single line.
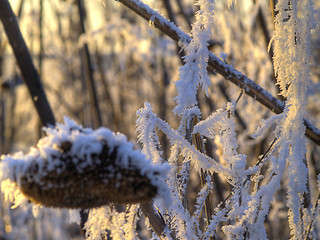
[[122, 225], [194, 72], [202, 195], [221, 127], [262, 130], [187, 150], [74, 215], [292, 65], [218, 125]]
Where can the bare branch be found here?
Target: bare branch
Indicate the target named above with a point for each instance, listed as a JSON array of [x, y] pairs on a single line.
[[27, 68], [89, 74]]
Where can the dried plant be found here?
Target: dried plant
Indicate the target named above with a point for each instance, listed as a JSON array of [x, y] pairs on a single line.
[[73, 167]]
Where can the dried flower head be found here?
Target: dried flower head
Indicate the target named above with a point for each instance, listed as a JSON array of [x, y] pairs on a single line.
[[73, 167]]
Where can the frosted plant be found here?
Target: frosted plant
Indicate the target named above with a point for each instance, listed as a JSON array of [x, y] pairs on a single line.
[[292, 64], [122, 225], [292, 67], [246, 208], [75, 167], [103, 162], [219, 124], [194, 72]]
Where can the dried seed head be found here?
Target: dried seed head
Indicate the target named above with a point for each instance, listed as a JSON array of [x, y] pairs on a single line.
[[81, 168]]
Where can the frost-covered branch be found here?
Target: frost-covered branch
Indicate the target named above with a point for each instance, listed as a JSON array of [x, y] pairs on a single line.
[[214, 63], [200, 160]]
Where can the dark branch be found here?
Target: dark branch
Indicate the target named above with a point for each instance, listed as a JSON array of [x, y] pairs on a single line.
[[27, 68]]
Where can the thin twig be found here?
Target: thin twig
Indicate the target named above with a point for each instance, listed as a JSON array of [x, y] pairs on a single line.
[[89, 74], [236, 113], [272, 7], [240, 95], [265, 154], [106, 87], [214, 63], [207, 204], [2, 123], [169, 9], [258, 162], [222, 204], [265, 31], [157, 222]]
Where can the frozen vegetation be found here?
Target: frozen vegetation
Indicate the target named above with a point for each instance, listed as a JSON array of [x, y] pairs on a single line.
[[212, 162], [74, 167]]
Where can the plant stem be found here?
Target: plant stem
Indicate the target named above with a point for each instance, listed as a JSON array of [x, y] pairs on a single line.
[[157, 223], [97, 120], [25, 63], [207, 206], [313, 215]]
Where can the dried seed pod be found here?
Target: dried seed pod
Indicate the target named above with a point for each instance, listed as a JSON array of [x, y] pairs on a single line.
[[74, 167]]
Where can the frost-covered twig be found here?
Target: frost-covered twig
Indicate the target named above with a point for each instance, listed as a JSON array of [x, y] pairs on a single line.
[[200, 160], [193, 73], [292, 53], [222, 205], [214, 63], [205, 178]]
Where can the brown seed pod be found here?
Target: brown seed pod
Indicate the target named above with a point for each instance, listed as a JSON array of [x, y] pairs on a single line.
[[77, 168]]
